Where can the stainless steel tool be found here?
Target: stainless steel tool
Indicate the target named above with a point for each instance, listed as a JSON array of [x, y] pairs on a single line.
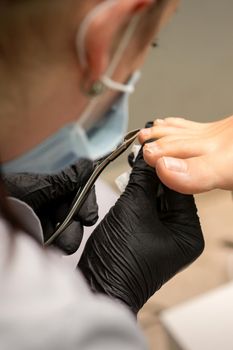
[[84, 191]]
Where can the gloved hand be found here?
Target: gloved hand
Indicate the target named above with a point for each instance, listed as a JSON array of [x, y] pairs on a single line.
[[143, 241], [51, 196]]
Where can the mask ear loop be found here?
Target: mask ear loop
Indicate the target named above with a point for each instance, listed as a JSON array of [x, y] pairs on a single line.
[[105, 81], [98, 87], [121, 49], [113, 85], [82, 33]]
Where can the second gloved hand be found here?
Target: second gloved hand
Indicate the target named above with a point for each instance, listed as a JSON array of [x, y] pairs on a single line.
[[143, 241], [51, 196]]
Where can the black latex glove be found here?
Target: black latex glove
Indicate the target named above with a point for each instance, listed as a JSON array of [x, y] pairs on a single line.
[[50, 196], [131, 156], [143, 241]]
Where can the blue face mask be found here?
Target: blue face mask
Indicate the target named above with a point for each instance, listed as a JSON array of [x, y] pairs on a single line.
[[73, 142]]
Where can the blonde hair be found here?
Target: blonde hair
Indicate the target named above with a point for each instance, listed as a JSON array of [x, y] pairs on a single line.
[[27, 24]]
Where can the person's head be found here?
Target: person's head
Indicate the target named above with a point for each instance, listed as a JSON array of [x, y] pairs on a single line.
[[53, 51]]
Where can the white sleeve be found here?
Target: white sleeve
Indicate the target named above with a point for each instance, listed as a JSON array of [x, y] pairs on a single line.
[[29, 217], [44, 305]]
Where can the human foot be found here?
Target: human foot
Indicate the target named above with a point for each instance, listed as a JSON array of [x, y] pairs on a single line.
[[191, 157]]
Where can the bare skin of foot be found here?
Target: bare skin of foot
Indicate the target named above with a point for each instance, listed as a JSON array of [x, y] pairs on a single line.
[[191, 157]]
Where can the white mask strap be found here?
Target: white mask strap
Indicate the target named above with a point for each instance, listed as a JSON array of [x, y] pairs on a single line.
[[120, 50], [106, 78], [113, 85], [123, 46], [129, 88], [81, 37]]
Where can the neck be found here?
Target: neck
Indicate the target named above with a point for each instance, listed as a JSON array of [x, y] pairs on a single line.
[[32, 107]]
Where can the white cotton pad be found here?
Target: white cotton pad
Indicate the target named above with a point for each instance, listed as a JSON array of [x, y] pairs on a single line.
[[122, 180], [136, 150]]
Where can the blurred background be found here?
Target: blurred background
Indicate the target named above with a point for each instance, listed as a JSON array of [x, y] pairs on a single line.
[[190, 74]]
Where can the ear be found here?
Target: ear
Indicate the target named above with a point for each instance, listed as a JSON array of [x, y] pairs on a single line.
[[102, 31]]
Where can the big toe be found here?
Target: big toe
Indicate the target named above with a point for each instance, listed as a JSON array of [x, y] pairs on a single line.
[[188, 176]]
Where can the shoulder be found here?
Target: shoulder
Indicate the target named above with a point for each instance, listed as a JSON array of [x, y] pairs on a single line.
[[46, 305]]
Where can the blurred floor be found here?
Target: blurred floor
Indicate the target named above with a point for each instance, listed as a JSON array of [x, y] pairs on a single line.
[[191, 75]]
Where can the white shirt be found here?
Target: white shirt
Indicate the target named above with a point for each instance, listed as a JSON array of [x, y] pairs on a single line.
[[45, 305]]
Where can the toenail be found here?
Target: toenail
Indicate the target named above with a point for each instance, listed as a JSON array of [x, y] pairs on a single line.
[[151, 148], [159, 121], [145, 132], [174, 164]]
